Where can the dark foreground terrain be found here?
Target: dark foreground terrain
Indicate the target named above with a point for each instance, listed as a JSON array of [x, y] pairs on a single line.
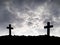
[[46, 40], [35, 40], [30, 38]]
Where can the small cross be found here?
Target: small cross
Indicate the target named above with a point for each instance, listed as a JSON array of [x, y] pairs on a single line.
[[48, 28], [9, 29]]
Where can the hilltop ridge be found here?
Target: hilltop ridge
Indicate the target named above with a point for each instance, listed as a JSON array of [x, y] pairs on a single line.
[[44, 37]]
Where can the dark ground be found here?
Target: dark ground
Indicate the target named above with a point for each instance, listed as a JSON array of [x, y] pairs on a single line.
[[29, 38], [37, 40]]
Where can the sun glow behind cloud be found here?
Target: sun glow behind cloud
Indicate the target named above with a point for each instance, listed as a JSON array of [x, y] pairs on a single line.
[[36, 20]]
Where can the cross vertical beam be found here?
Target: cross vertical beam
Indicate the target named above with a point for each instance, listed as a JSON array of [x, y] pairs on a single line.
[[9, 29], [48, 28]]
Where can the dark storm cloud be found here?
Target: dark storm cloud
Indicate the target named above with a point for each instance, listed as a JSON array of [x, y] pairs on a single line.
[[8, 17], [30, 3], [54, 8], [56, 1], [25, 5], [5, 16]]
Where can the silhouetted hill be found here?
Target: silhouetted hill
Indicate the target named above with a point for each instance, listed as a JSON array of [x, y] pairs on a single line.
[[29, 38]]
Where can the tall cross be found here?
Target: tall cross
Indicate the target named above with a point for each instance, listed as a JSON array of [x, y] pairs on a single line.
[[9, 29], [48, 28]]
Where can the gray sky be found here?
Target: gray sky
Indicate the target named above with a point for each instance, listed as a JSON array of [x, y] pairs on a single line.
[[28, 17]]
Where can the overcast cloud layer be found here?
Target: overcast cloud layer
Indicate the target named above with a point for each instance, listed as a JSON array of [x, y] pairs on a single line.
[[28, 17]]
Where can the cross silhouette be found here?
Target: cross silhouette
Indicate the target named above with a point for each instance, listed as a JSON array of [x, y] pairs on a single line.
[[9, 29], [48, 28]]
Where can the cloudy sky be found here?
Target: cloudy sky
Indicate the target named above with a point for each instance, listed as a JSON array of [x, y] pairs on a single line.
[[28, 17]]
